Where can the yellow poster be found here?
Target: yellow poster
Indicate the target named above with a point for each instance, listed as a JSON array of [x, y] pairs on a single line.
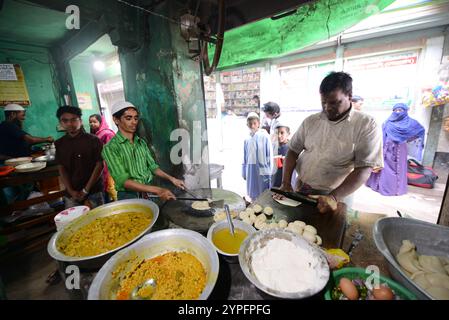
[[84, 101], [12, 85]]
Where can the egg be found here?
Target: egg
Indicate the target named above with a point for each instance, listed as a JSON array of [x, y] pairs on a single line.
[[383, 293], [348, 289]]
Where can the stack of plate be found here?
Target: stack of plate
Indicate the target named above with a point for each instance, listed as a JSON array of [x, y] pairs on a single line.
[[31, 167], [18, 161]]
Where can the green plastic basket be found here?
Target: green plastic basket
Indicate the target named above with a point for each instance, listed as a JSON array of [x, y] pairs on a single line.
[[353, 273]]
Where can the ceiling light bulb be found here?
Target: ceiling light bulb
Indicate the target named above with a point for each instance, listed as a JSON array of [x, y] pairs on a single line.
[[99, 65]]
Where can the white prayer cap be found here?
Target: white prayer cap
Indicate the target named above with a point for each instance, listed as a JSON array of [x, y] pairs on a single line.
[[252, 115], [14, 107], [116, 107]]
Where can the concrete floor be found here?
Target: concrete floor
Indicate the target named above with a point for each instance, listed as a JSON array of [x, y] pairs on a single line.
[[25, 278]]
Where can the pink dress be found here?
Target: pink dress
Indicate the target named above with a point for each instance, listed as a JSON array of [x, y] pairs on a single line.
[[105, 134]]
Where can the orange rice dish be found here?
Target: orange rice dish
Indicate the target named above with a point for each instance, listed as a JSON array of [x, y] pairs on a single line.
[[178, 275]]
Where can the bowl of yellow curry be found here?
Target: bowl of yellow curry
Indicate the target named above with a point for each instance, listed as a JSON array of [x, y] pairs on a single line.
[[90, 240], [225, 243], [183, 264]]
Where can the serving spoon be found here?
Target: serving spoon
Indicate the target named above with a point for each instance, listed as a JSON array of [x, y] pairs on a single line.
[[150, 284], [228, 217]]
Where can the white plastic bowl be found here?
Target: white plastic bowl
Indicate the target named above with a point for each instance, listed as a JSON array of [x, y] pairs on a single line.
[[68, 215]]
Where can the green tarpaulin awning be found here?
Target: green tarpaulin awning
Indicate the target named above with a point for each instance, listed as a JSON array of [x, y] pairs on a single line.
[[313, 22]]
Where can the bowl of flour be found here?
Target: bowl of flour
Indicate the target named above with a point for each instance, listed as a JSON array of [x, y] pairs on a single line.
[[283, 264]]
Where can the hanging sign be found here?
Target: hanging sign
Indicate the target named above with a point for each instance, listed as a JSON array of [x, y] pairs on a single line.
[[12, 85]]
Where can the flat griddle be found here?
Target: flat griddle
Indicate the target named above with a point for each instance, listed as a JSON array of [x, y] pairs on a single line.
[[181, 213]]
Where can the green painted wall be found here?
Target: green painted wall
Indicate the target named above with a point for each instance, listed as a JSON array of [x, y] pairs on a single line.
[[83, 81], [35, 62], [166, 85], [148, 83]]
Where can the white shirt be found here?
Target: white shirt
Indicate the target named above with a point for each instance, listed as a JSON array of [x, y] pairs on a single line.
[[330, 150]]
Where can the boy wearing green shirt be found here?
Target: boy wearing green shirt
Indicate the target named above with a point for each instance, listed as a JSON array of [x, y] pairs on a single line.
[[129, 160]]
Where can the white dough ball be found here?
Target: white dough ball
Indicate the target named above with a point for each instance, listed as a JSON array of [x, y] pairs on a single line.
[[260, 225], [318, 240], [257, 208], [310, 229], [268, 211], [299, 223], [261, 217], [249, 211], [252, 216], [248, 221], [282, 224], [309, 236], [243, 215]]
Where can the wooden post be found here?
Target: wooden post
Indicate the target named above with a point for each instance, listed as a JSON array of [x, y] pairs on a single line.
[[443, 218]]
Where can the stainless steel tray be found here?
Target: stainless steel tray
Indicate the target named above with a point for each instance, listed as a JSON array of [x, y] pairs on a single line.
[[429, 238], [95, 262]]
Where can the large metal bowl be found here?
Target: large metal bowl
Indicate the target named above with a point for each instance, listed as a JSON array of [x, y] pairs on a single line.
[[147, 207], [429, 238], [259, 240], [104, 286]]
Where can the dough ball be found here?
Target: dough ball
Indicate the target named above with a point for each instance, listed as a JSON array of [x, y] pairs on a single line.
[[243, 215], [260, 225], [318, 240], [252, 216], [295, 228], [282, 224], [309, 236], [268, 211], [249, 211], [247, 221], [257, 208], [299, 223], [310, 229], [261, 217]]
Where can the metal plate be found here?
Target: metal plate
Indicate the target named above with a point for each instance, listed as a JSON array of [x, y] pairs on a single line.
[[180, 212]]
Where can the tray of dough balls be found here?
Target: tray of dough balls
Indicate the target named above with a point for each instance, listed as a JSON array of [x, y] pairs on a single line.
[[305, 220], [263, 218]]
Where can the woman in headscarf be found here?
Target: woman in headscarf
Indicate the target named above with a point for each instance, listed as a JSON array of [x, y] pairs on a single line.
[[398, 130], [100, 128]]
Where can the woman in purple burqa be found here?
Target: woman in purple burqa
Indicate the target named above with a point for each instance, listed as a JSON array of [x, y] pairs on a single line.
[[398, 130]]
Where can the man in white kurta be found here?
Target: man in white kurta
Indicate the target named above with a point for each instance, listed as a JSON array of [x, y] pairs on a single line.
[[335, 150]]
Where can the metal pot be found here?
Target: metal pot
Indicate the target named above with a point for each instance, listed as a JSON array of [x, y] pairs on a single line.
[[260, 239], [104, 286], [95, 262], [429, 238]]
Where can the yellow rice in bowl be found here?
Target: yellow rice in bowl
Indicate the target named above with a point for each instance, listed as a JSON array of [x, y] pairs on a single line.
[[178, 275], [104, 234]]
